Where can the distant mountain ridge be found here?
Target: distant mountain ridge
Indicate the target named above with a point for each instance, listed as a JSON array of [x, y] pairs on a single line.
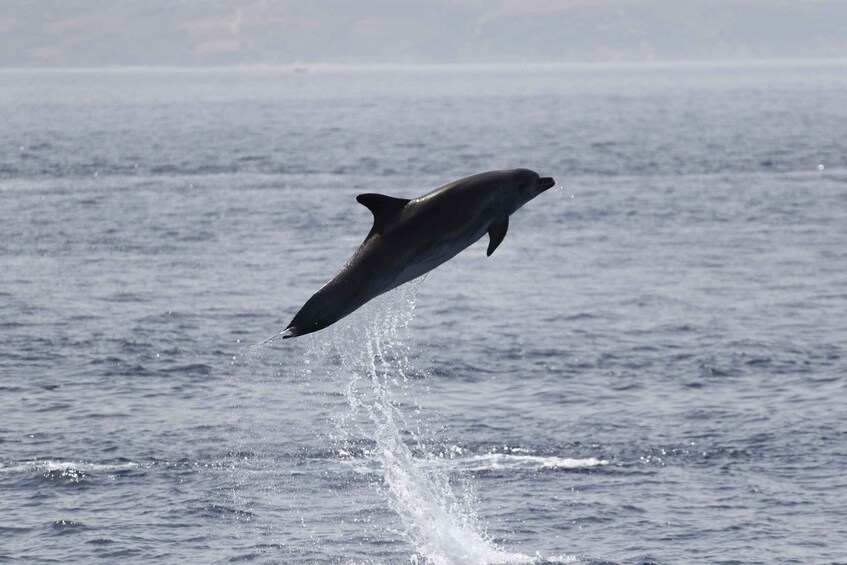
[[225, 32]]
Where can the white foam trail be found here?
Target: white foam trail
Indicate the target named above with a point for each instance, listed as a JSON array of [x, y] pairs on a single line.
[[504, 461], [70, 468], [486, 462], [438, 520]]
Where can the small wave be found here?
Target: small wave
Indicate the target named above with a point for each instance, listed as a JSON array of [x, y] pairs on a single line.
[[366, 463], [501, 458], [505, 461], [65, 527], [191, 369], [68, 470]]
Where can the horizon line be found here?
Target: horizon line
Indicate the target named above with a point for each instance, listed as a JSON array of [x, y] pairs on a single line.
[[482, 66]]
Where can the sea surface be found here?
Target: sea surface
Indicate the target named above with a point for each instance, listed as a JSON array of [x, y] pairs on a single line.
[[651, 369]]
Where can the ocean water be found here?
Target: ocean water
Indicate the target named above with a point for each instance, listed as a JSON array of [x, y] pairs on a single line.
[[650, 369]]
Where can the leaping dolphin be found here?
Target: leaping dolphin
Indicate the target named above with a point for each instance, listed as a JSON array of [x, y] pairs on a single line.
[[411, 237]]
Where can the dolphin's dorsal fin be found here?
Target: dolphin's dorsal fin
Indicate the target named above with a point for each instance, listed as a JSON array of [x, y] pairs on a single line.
[[496, 233], [384, 208]]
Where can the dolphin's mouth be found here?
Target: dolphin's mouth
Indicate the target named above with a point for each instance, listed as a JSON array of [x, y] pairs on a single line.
[[545, 182]]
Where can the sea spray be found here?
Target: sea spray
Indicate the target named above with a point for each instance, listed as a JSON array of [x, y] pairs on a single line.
[[376, 372]]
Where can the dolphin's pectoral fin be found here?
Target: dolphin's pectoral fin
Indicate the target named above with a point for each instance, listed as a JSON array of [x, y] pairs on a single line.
[[383, 207], [496, 233]]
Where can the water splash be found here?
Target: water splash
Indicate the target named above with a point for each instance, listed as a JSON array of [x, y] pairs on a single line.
[[375, 363]]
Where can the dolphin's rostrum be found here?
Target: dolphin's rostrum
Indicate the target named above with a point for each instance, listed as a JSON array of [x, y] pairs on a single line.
[[412, 237]]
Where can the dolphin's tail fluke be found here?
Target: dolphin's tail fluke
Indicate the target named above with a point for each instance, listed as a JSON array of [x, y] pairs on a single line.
[[285, 334]]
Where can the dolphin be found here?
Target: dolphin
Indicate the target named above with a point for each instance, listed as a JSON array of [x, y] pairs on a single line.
[[411, 237]]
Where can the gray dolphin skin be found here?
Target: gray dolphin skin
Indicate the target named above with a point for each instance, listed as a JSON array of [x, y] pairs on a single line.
[[411, 237]]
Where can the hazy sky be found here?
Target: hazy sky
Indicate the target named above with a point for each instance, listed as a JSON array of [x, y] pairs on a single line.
[[228, 32]]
